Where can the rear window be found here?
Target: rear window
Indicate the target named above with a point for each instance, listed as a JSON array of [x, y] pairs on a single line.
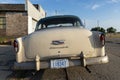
[[61, 21]]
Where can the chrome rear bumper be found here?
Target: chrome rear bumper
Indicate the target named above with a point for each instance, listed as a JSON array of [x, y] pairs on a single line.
[[72, 62]]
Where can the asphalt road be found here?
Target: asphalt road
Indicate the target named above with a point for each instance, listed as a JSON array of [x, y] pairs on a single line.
[[109, 71]]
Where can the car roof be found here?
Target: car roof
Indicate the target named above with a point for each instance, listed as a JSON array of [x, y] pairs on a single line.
[[59, 16]]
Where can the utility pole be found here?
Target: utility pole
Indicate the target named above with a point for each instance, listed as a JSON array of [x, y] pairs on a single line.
[[98, 23], [56, 12], [84, 23]]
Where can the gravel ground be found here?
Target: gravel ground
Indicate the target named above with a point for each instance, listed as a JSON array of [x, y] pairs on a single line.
[[109, 71]]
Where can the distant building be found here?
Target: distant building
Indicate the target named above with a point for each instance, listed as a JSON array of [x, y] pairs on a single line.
[[19, 19]]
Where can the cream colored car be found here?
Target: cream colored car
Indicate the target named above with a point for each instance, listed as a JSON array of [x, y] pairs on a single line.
[[59, 42]]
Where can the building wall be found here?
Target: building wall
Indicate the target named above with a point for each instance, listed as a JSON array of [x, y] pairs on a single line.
[[33, 12], [20, 22], [34, 15], [31, 24], [16, 24], [2, 32]]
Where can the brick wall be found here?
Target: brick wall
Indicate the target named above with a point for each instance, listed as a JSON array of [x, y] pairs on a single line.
[[2, 32], [16, 24]]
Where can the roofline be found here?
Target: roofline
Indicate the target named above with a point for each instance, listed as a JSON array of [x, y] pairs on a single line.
[[16, 10], [10, 4], [13, 11]]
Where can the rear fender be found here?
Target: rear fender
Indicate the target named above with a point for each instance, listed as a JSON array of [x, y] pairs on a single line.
[[99, 47], [20, 55]]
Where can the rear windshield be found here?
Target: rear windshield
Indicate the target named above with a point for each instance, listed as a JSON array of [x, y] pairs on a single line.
[[59, 22]]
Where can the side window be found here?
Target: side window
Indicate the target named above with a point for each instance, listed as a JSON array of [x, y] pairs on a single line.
[[43, 26], [39, 27], [76, 23], [2, 23]]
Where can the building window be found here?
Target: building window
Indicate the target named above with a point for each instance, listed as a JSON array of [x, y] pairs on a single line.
[[2, 23]]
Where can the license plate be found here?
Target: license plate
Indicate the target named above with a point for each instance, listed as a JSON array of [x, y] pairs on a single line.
[[59, 63]]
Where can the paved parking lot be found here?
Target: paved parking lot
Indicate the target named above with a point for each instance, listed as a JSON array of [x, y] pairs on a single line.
[[6, 58], [109, 71]]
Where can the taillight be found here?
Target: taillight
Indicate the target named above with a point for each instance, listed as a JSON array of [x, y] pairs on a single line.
[[102, 39], [15, 44]]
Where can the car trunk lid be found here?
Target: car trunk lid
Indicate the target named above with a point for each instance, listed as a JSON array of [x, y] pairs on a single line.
[[59, 42]]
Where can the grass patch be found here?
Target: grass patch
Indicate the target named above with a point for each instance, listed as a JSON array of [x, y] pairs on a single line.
[[113, 35], [5, 38]]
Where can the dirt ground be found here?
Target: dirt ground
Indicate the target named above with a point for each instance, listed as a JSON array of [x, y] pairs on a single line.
[[109, 71]]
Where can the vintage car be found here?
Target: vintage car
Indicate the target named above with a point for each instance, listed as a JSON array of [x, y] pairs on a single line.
[[59, 41]]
